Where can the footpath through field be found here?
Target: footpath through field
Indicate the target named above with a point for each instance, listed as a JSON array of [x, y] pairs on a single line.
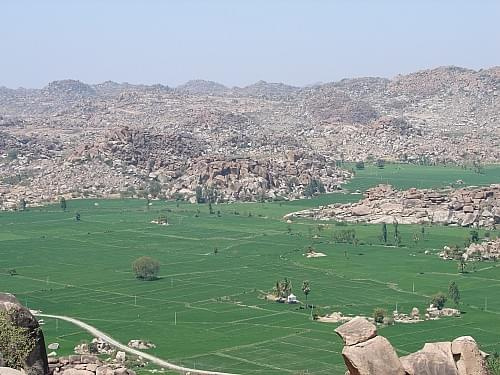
[[95, 332]]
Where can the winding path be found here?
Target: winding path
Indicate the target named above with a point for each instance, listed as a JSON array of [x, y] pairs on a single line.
[[95, 332]]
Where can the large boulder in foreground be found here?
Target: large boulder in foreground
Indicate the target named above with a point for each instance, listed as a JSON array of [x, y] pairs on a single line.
[[356, 330], [469, 359], [373, 357], [36, 363], [433, 359], [9, 371]]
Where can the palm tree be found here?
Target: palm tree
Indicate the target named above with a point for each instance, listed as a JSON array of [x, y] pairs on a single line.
[[306, 288]]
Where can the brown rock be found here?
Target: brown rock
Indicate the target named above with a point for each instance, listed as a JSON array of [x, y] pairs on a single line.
[[361, 210], [104, 370], [356, 331], [468, 209], [468, 356], [373, 357], [429, 362], [74, 371], [9, 371]]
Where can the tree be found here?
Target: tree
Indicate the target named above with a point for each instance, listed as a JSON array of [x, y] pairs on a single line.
[[16, 343], [438, 300], [62, 201], [384, 232], [199, 194], [22, 204], [474, 236], [146, 268], [454, 293], [283, 288], [379, 314], [461, 265], [306, 288], [154, 189], [345, 236]]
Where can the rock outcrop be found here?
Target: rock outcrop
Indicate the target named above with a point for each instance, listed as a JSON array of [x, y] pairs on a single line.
[[487, 250], [36, 362], [87, 365], [466, 207], [10, 371], [365, 353]]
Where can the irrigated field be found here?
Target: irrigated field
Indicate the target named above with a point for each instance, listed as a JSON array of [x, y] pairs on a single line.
[[83, 270]]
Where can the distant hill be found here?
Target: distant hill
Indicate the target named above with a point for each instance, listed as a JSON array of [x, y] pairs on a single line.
[[200, 86]]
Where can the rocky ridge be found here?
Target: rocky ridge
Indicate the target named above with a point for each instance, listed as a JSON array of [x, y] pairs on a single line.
[[442, 115], [465, 207]]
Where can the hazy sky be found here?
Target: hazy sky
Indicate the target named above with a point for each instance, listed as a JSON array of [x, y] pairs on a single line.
[[238, 42]]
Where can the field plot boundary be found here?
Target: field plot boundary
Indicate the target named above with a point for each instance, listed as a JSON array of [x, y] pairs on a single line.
[[94, 331]]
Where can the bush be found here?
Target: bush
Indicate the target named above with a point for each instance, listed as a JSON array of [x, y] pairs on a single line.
[[146, 268], [15, 342], [379, 314], [494, 364], [438, 300], [344, 236]]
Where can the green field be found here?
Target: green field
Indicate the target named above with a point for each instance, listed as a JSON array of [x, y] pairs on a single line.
[[83, 270]]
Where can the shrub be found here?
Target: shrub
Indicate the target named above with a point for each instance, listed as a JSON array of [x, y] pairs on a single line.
[[15, 342], [379, 315], [494, 364], [438, 300], [344, 236], [146, 268]]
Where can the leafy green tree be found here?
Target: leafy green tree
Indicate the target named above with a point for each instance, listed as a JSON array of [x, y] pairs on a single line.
[[16, 343], [379, 314], [454, 293], [397, 236], [384, 232], [306, 288], [154, 189], [63, 203], [146, 268], [438, 300], [461, 265], [474, 236], [344, 236], [199, 194]]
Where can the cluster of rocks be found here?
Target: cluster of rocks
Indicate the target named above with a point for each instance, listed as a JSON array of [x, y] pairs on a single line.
[[435, 116], [479, 206], [366, 353], [87, 365], [486, 250]]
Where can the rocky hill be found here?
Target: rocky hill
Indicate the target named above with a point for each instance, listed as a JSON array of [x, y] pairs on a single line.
[[138, 133]]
